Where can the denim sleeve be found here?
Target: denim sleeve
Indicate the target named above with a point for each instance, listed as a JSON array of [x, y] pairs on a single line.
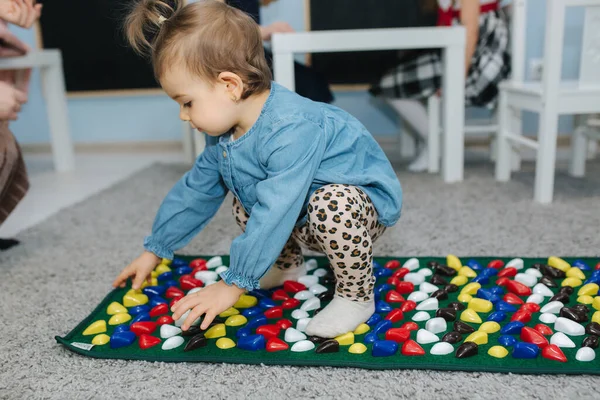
[[189, 206], [291, 158]]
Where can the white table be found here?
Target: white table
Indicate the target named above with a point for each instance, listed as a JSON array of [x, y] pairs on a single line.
[[451, 39], [53, 88]]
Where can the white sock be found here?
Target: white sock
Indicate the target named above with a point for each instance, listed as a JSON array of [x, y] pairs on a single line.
[[276, 276], [340, 316], [421, 163], [414, 113]]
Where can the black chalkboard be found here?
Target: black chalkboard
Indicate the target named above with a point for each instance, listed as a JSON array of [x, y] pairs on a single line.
[[363, 67], [95, 55]]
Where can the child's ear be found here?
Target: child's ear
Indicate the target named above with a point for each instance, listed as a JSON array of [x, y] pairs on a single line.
[[232, 84]]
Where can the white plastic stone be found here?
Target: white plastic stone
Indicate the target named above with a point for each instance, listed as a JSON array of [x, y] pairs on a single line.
[[535, 298], [311, 264], [526, 279], [425, 272], [562, 340], [516, 263], [542, 289], [194, 290], [298, 314], [553, 307], [421, 316], [425, 337], [172, 343], [304, 295], [321, 272], [303, 345], [207, 275], [308, 280], [293, 335], [534, 272], [427, 287], [436, 325], [311, 304], [317, 289], [182, 319], [548, 318], [441, 349], [428, 304], [569, 327], [167, 331], [214, 262], [302, 323], [417, 296], [585, 354], [414, 278], [221, 269], [411, 264]]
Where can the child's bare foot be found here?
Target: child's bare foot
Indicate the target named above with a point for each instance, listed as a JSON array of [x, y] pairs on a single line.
[[339, 317], [276, 276]]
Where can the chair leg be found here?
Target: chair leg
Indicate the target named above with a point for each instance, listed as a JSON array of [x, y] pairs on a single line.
[[546, 157], [503, 153], [578, 152], [433, 140], [515, 127], [592, 149]]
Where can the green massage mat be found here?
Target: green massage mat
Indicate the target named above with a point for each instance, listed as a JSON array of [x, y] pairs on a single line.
[[391, 358]]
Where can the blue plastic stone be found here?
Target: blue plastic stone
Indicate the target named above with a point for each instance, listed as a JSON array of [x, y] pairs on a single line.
[[245, 331], [525, 350], [376, 265], [481, 279], [384, 348], [382, 326], [381, 306], [593, 279], [178, 262], [379, 272], [183, 270], [497, 316], [156, 300], [266, 303], [512, 328], [381, 289], [504, 306], [374, 319], [141, 317], [370, 338], [484, 294], [165, 276], [497, 290], [256, 322], [596, 272], [154, 290], [251, 342], [121, 339], [474, 265], [139, 309], [170, 283], [490, 272], [121, 328], [260, 293], [252, 311], [507, 340], [581, 265]]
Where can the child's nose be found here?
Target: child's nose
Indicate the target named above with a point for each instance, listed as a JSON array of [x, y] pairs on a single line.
[[183, 115]]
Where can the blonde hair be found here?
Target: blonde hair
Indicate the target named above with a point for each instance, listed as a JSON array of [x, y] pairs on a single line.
[[208, 36]]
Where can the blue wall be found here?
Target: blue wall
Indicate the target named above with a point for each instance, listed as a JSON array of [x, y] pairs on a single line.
[[121, 118]]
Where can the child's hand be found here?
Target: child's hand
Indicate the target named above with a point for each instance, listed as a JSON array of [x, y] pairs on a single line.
[[211, 300], [140, 269]]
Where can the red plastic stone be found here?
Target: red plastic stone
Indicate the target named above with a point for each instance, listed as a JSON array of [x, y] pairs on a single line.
[[518, 288], [290, 303], [393, 264], [395, 315], [502, 281], [394, 297], [293, 286], [405, 287], [160, 309], [512, 298], [508, 272], [197, 263], [268, 331], [398, 335], [412, 348], [147, 341], [284, 323], [174, 292], [543, 329], [531, 307], [410, 326], [393, 281], [408, 305], [274, 312], [142, 327], [523, 316], [164, 320], [174, 301], [530, 335], [598, 266], [198, 269], [280, 294], [188, 282], [553, 352], [496, 264], [400, 273], [276, 344]]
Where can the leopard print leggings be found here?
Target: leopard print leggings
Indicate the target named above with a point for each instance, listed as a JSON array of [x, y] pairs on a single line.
[[342, 223]]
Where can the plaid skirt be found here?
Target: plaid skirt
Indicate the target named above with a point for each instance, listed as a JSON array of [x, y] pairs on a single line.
[[13, 175], [420, 76]]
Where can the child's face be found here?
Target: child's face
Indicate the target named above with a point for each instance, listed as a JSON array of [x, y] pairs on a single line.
[[208, 108]]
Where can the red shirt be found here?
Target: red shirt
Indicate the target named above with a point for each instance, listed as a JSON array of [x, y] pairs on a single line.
[[450, 9]]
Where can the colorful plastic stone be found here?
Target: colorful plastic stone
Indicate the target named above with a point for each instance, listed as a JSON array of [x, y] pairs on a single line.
[[553, 307], [384, 348], [512, 328], [441, 349], [405, 287], [121, 328], [134, 299], [317, 289], [293, 335], [590, 289], [573, 314], [478, 337], [461, 327], [370, 338], [302, 346], [265, 303], [543, 329], [408, 305], [498, 352], [590, 341], [272, 313], [452, 337], [525, 350], [421, 316], [507, 272], [299, 314], [548, 318], [558, 263], [394, 297], [215, 331], [274, 344], [146, 341], [374, 320], [497, 316], [596, 317], [535, 298], [118, 319], [412, 348], [95, 328], [236, 320], [115, 308], [546, 280], [542, 289], [507, 340], [121, 339], [251, 342], [303, 295], [143, 327], [453, 262], [448, 314], [585, 299], [530, 335], [427, 287], [410, 326], [436, 325], [229, 312], [585, 354], [414, 278], [196, 342], [411, 264], [398, 335], [382, 326], [357, 348], [101, 339], [575, 272], [162, 268], [311, 304], [225, 343], [526, 279], [459, 280], [480, 305], [464, 298], [471, 289], [328, 346], [293, 286], [395, 315], [428, 305], [573, 282], [504, 306], [496, 264], [470, 315], [518, 288], [425, 272], [417, 296], [553, 352], [302, 323], [214, 262], [569, 327], [562, 340], [467, 349], [346, 339], [426, 337], [522, 316], [489, 327]]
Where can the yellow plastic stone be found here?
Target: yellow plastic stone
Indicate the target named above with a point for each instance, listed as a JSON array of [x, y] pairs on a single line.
[[468, 272], [144, 284], [464, 298], [357, 348], [453, 262], [346, 339], [573, 282], [489, 327], [154, 282], [225, 343], [459, 280], [480, 305], [471, 288], [575, 273], [591, 289], [154, 274], [95, 328], [470, 316], [216, 331], [229, 312], [559, 263], [236, 320], [596, 317], [585, 299], [246, 301], [100, 340], [362, 328], [115, 308], [596, 303], [162, 268], [498, 352], [132, 300], [119, 319], [134, 291], [478, 337], [166, 261]]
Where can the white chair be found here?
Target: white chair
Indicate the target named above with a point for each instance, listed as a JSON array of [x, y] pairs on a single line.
[[552, 97]]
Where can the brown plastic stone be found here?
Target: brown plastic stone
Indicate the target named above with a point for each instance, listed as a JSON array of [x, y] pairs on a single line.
[[196, 342], [467, 349], [452, 337], [449, 314], [462, 327], [328, 346]]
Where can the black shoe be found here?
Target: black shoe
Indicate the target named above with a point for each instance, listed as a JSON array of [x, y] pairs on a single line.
[[6, 244]]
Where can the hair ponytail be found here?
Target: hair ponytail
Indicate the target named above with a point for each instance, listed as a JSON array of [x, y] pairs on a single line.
[[143, 23]]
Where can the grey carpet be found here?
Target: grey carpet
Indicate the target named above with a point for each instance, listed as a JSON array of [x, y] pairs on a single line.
[[66, 264]]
